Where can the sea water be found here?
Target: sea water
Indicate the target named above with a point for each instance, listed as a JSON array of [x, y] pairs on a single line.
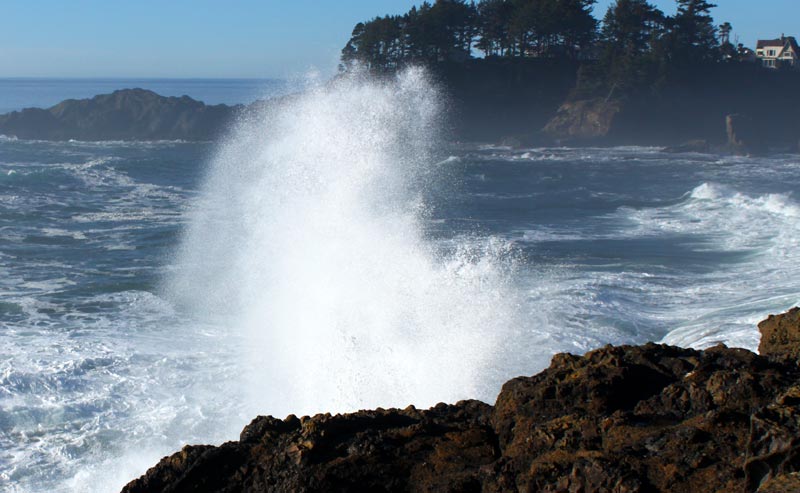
[[338, 255]]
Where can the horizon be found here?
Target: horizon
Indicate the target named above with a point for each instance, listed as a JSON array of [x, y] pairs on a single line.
[[251, 40]]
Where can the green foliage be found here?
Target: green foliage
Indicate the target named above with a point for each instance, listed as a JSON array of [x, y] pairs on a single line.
[[630, 43], [636, 48], [454, 29], [442, 31], [692, 37]]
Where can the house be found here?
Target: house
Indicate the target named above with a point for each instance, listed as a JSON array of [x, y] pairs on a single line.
[[779, 53]]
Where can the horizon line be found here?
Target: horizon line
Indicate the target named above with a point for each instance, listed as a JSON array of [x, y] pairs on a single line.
[[134, 77]]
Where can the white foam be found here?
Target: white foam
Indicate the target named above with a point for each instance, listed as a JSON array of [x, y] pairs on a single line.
[[309, 240]]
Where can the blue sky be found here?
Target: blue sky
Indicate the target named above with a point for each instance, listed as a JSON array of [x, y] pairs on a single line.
[[238, 38]]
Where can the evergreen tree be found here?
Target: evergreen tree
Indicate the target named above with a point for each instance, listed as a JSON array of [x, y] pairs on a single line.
[[728, 52], [629, 40], [631, 28], [493, 20], [577, 27], [693, 35]]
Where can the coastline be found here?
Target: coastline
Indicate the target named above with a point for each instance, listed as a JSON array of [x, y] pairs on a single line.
[[526, 103], [651, 418]]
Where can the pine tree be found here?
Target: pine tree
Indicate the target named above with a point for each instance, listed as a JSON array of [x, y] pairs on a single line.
[[693, 38], [631, 33]]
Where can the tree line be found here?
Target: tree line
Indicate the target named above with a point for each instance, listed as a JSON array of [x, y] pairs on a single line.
[[635, 42], [455, 30]]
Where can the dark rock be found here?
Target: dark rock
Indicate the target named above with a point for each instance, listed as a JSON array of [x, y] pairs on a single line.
[[745, 135], [511, 141], [630, 419], [583, 120], [652, 418], [774, 446], [128, 114], [442, 449], [780, 335], [785, 483], [699, 145]]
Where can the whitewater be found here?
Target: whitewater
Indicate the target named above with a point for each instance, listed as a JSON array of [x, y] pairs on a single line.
[[335, 254]]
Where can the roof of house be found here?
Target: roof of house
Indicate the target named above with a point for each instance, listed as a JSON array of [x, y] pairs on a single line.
[[781, 42]]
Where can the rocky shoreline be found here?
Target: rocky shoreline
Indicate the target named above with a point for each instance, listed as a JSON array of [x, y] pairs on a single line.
[[518, 103], [630, 419]]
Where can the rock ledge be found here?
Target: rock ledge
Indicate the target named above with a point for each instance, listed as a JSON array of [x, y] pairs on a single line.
[[630, 419]]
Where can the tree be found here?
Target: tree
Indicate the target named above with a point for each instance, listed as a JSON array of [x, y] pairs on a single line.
[[449, 29], [725, 33], [693, 35], [493, 20], [728, 52], [630, 36]]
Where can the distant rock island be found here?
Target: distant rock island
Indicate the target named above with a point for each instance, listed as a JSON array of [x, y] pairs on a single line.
[[526, 102], [127, 114], [631, 419]]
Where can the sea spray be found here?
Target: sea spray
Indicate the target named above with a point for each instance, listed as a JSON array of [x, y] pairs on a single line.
[[309, 239]]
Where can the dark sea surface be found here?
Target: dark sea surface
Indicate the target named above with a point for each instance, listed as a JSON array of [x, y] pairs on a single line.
[[114, 351]]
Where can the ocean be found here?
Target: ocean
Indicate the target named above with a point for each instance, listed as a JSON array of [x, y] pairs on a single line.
[[341, 255]]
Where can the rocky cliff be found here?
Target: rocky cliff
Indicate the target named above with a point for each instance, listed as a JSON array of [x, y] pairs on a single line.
[[128, 114], [627, 419], [697, 107]]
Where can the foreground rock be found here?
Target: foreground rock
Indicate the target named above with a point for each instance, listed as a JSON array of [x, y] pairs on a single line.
[[780, 335], [626, 419], [128, 114]]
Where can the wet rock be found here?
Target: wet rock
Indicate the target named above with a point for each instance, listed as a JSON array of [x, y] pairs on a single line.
[[774, 445], [631, 419], [780, 335], [745, 135], [699, 145], [441, 449], [651, 418], [583, 120]]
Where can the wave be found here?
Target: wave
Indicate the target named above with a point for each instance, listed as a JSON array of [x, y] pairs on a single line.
[[309, 239]]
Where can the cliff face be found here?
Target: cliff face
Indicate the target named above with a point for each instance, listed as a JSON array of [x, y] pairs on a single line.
[[584, 120], [620, 419], [129, 114], [493, 99], [486, 100], [694, 107]]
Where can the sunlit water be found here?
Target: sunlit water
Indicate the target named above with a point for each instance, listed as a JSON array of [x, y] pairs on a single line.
[[336, 256]]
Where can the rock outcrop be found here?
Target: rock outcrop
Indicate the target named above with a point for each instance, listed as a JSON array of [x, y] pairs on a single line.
[[780, 335], [744, 135], [629, 419], [583, 120], [128, 114]]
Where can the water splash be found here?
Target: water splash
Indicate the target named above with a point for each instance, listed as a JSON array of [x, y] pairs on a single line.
[[309, 239]]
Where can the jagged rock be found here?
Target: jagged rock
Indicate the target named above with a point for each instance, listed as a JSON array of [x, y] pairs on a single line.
[[780, 335], [630, 419], [128, 114], [442, 449], [745, 136], [774, 445], [583, 120], [786, 483], [652, 418]]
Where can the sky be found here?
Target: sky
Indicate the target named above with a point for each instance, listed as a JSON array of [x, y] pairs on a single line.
[[241, 38]]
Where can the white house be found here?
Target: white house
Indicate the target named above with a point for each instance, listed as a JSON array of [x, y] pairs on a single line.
[[778, 53]]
